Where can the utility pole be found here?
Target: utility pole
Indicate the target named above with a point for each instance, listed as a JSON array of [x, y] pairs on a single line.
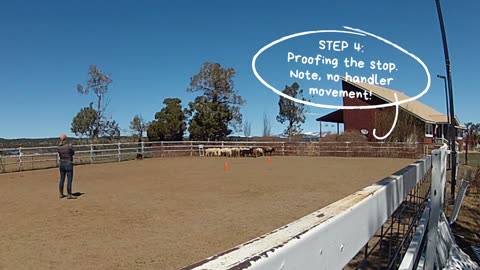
[[446, 101], [453, 156]]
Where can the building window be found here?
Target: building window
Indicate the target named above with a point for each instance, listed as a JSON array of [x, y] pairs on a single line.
[[428, 130]]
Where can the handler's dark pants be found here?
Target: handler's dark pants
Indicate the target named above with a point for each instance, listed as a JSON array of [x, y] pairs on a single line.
[[66, 168]]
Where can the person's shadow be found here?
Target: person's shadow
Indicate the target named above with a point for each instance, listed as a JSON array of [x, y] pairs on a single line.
[[78, 194]]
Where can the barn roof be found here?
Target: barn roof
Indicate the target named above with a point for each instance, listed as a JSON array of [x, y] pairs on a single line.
[[419, 109], [333, 117]]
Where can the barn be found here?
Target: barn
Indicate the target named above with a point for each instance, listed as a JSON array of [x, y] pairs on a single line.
[[434, 124]]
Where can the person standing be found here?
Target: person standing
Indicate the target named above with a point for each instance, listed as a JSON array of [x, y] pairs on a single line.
[[66, 153]]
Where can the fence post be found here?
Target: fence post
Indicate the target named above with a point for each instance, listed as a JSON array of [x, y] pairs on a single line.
[[436, 197], [191, 149], [20, 160], [347, 149], [1, 163], [161, 150], [91, 153], [143, 147], [119, 152], [283, 148], [459, 200]]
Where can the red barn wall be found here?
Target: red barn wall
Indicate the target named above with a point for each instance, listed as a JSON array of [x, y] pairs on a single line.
[[355, 120]]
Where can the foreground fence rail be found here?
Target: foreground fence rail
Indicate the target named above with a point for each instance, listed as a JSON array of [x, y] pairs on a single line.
[[335, 236], [397, 223], [31, 158]]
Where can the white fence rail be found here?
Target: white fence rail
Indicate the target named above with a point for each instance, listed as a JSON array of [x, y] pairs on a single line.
[[328, 238], [331, 237], [28, 158]]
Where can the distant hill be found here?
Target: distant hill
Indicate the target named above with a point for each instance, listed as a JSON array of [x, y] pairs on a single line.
[[43, 142], [24, 142]]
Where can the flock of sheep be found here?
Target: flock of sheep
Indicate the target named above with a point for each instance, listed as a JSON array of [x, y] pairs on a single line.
[[239, 152]]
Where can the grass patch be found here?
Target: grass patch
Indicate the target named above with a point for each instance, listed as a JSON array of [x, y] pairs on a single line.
[[473, 159]]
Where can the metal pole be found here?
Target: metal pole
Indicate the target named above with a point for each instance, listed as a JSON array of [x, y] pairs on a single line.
[[466, 149], [452, 112], [320, 136], [446, 101]]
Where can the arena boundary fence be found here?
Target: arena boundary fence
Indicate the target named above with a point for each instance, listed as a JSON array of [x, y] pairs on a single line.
[[31, 158], [332, 237], [399, 224]]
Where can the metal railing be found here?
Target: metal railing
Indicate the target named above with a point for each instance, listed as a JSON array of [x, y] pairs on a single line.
[[333, 237], [397, 223]]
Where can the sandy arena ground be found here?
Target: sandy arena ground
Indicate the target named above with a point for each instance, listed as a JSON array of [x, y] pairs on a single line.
[[166, 213]]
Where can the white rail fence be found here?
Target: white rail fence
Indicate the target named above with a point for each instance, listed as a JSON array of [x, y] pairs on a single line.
[[396, 223], [332, 237], [29, 158]]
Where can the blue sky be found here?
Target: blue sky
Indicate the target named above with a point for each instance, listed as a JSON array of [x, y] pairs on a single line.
[[152, 48]]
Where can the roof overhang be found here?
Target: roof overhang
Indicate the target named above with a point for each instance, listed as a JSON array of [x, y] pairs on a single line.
[[333, 117]]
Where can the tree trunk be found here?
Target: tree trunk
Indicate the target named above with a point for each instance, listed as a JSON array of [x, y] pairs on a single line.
[[97, 121], [290, 126]]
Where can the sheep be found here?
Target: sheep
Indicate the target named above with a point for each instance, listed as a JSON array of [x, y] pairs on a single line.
[[246, 151], [227, 152], [213, 152], [210, 152], [258, 152], [268, 150], [235, 152]]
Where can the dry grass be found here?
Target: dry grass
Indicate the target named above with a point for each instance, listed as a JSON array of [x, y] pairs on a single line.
[[467, 227]]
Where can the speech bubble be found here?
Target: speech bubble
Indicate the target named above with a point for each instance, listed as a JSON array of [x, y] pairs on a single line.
[[352, 31]]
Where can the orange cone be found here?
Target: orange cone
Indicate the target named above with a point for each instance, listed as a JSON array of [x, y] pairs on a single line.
[[269, 159], [226, 168]]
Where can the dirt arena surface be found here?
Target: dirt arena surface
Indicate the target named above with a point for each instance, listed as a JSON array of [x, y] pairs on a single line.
[[166, 213]]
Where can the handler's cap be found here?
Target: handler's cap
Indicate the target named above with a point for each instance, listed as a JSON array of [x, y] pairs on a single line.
[[63, 137]]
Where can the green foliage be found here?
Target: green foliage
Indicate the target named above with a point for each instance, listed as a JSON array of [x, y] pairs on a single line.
[[216, 113], [83, 123], [110, 129], [139, 126], [209, 120], [169, 123], [97, 83], [291, 112]]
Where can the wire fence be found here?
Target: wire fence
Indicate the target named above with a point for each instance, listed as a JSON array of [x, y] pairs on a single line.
[[32, 158], [370, 229], [387, 247], [470, 158]]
